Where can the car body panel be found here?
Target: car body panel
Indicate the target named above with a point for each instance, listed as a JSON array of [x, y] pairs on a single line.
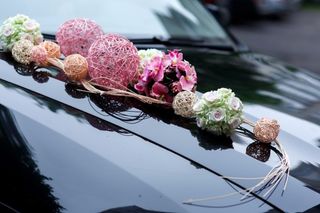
[[180, 141], [91, 170]]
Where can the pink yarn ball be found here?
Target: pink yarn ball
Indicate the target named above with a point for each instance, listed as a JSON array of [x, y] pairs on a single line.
[[113, 61], [39, 55], [76, 36]]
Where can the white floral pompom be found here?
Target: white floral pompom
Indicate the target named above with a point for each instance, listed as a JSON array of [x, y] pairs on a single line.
[[219, 111], [17, 28]]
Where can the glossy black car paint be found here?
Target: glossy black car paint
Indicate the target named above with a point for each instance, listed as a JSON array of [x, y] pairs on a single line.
[[63, 150]]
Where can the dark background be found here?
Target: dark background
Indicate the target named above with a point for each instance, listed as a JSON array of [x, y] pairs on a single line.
[[294, 38]]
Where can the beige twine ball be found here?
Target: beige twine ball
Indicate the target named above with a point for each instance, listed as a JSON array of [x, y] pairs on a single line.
[[76, 67], [21, 51], [183, 103], [266, 130]]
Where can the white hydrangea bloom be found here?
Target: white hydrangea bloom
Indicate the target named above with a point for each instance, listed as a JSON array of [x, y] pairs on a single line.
[[219, 111]]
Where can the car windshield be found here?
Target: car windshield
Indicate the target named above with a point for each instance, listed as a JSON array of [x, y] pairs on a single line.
[[135, 19]]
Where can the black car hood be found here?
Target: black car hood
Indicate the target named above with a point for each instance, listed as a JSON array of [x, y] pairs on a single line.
[[269, 88]]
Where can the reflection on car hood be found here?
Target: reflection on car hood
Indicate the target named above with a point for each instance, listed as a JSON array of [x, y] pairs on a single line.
[[265, 86]]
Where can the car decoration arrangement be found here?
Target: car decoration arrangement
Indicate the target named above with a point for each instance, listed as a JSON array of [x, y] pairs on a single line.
[[109, 64]]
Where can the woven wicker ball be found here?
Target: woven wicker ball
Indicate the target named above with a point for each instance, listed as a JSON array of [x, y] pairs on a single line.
[[183, 103], [77, 35], [53, 49], [113, 61], [21, 51], [76, 67], [266, 130], [39, 55]]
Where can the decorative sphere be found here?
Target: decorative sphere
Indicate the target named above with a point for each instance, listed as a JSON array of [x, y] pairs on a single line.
[[39, 55], [219, 111], [21, 51], [53, 49], [266, 130], [77, 35], [76, 67], [113, 61], [183, 103], [18, 28]]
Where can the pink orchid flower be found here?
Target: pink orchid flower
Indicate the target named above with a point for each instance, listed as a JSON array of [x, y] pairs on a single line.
[[187, 82], [176, 87], [139, 87], [175, 57], [156, 68], [182, 66], [160, 91]]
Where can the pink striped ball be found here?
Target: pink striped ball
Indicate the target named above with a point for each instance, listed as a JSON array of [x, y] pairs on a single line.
[[76, 36], [113, 61]]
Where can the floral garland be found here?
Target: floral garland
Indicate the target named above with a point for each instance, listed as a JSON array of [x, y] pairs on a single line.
[[165, 75], [111, 65]]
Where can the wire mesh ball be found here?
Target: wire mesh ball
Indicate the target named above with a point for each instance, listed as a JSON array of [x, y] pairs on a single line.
[[183, 103], [113, 61], [76, 67], [77, 35], [266, 130], [39, 55], [21, 51], [53, 49]]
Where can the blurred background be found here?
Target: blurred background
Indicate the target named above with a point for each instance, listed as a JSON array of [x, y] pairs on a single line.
[[286, 29]]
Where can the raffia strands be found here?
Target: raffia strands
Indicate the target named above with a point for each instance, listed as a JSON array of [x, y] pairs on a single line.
[[268, 183], [113, 58], [121, 93], [277, 173], [76, 36], [91, 87], [56, 62]]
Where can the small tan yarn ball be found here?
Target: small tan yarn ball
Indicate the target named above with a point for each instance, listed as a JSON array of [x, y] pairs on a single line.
[[266, 130], [76, 67], [183, 103], [53, 49], [21, 51]]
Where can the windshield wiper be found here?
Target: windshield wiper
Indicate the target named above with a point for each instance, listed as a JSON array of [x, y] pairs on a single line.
[[49, 36], [188, 42]]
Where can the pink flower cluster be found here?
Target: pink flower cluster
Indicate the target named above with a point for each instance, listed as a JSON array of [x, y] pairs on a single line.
[[166, 75]]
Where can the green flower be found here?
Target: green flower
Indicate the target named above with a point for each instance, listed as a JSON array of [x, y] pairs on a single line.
[[219, 111], [19, 27]]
